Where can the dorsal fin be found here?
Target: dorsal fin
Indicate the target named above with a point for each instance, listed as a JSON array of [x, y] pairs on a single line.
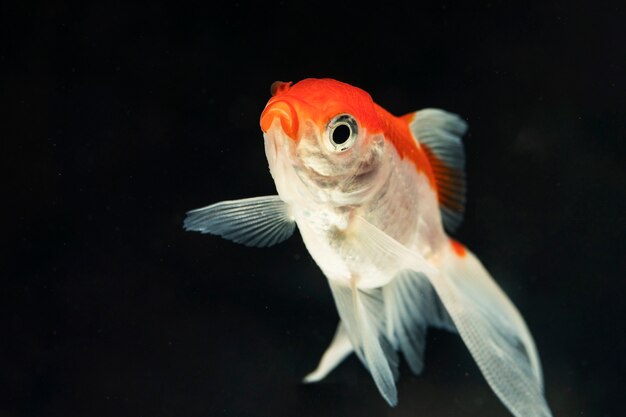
[[439, 134]]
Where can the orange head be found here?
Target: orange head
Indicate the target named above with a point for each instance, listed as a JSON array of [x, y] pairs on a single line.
[[325, 132], [317, 100]]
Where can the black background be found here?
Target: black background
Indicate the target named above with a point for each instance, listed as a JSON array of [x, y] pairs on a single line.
[[120, 118]]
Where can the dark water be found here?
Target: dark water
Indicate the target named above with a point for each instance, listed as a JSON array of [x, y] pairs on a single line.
[[121, 118]]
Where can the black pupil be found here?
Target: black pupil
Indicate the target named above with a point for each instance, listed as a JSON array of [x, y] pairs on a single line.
[[341, 134]]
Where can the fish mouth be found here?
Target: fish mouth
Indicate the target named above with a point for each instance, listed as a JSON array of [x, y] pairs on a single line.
[[284, 111]]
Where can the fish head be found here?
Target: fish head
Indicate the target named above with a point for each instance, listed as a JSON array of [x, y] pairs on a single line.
[[323, 140]]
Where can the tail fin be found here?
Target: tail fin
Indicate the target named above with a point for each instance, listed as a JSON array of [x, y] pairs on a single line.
[[493, 331], [484, 317]]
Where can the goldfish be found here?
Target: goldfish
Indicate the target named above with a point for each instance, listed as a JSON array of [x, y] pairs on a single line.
[[374, 197]]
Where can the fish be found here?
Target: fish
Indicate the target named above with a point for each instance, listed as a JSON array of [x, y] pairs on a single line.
[[375, 197]]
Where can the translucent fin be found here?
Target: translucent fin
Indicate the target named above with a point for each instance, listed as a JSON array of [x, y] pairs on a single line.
[[439, 133], [363, 315], [411, 306], [487, 321], [257, 221], [385, 252], [494, 333], [339, 348]]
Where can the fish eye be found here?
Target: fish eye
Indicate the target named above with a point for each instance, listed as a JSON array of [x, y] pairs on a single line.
[[342, 132]]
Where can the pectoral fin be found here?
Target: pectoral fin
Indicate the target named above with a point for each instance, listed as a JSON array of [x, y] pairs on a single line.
[[257, 221]]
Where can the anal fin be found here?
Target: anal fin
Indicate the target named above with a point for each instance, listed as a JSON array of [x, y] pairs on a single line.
[[363, 315], [339, 349], [412, 306]]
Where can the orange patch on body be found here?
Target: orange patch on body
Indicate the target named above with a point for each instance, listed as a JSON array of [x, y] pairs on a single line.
[[458, 248], [447, 177], [397, 132]]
